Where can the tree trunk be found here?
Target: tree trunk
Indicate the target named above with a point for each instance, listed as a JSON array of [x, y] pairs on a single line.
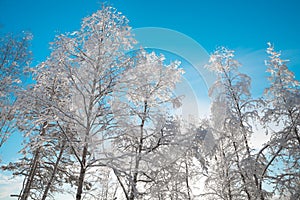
[[25, 193], [54, 171], [240, 171], [82, 173], [132, 193], [187, 180]]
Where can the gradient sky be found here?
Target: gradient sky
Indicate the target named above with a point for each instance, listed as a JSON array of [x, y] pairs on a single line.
[[242, 25]]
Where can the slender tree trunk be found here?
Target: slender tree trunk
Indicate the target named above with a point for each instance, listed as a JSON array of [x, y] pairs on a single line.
[[132, 193], [117, 174], [83, 161], [239, 112], [25, 193], [82, 173], [187, 180], [54, 171], [240, 171], [226, 172]]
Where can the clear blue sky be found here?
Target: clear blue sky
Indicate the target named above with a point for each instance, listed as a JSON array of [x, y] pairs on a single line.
[[233, 23], [243, 25]]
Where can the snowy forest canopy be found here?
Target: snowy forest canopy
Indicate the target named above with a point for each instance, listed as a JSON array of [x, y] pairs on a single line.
[[100, 123]]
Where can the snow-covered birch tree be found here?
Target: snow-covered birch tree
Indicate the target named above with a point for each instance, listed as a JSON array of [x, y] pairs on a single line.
[[15, 56], [44, 142], [235, 172], [142, 107], [283, 118], [92, 59]]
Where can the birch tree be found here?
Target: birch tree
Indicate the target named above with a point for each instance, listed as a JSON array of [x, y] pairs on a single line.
[[237, 173], [15, 56], [92, 59], [44, 145], [283, 117], [148, 87]]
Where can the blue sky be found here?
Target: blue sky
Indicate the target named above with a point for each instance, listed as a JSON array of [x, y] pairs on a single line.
[[247, 24], [242, 25]]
